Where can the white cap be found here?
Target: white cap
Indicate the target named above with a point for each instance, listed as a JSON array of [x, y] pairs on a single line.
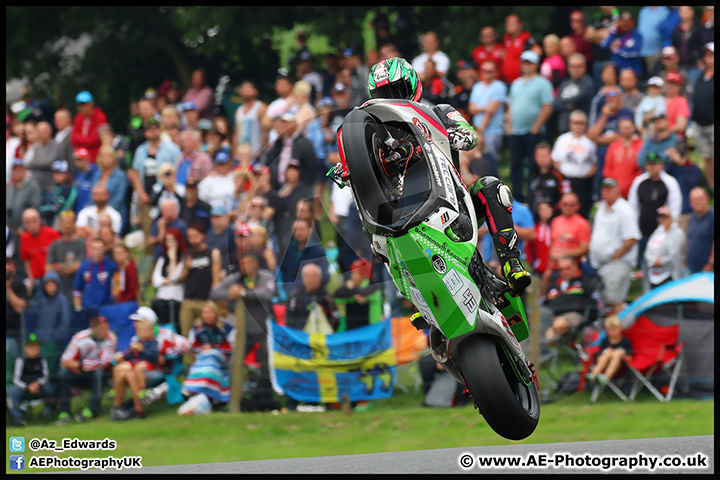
[[145, 313], [710, 46], [657, 81]]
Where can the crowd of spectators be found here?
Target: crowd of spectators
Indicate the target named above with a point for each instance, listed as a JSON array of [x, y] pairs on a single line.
[[603, 120]]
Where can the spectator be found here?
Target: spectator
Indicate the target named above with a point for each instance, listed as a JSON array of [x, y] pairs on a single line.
[[16, 301], [167, 188], [84, 175], [169, 292], [605, 130], [613, 246], [93, 279], [214, 140], [362, 299], [548, 184], [63, 127], [553, 66], [169, 118], [136, 130], [291, 145], [247, 118], [688, 176], [65, 254], [659, 142], [707, 31], [244, 178], [12, 147], [649, 21], [670, 63], [702, 128], [119, 143], [489, 49], [575, 92], [650, 106], [625, 44], [125, 280], [431, 51], [579, 29], [529, 107], [570, 294], [516, 42], [114, 179], [191, 115], [467, 77], [109, 238], [259, 242], [193, 209], [570, 234], [255, 287], [63, 195], [613, 349], [649, 191], [677, 107], [631, 96], [88, 220], [201, 272], [221, 236], [309, 296], [283, 88], [53, 315], [567, 48], [538, 251], [487, 105], [609, 78], [85, 359], [299, 104], [23, 193], [200, 94], [575, 157], [359, 72], [46, 153], [34, 245], [701, 234], [305, 70], [143, 174], [30, 378], [169, 218], [298, 253], [436, 89], [663, 255], [621, 159], [686, 38], [30, 142], [218, 188], [667, 27], [89, 117]]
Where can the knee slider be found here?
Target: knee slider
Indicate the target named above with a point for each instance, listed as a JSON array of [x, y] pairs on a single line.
[[495, 185]]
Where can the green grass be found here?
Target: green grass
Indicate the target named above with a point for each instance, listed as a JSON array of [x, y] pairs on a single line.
[[395, 424]]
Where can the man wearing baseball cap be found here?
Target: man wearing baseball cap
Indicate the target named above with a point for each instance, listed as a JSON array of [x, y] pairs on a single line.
[[702, 128], [669, 63], [218, 189], [678, 110], [529, 106], [62, 198], [663, 254], [30, 379], [87, 120], [661, 140], [84, 176], [194, 210]]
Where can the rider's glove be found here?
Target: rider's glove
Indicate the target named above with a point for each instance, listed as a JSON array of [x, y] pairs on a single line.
[[460, 139]]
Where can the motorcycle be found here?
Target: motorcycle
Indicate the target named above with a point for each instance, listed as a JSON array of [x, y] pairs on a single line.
[[421, 223]]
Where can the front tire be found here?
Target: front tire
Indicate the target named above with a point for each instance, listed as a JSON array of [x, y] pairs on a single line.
[[511, 408]]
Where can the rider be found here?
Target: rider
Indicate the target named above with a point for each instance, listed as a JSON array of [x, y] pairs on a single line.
[[395, 78]]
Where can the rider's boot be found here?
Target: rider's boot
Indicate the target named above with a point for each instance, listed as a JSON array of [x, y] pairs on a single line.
[[517, 277]]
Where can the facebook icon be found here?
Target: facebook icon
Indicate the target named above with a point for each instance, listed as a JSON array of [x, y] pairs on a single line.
[[17, 462]]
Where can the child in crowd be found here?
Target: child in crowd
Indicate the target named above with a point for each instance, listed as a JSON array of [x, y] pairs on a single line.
[[651, 105], [613, 350], [30, 377], [538, 251], [62, 197]]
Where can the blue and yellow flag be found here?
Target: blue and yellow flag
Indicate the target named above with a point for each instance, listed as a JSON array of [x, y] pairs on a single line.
[[319, 368]]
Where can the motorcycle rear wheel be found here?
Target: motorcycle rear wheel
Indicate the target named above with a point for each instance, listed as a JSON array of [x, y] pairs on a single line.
[[511, 408]]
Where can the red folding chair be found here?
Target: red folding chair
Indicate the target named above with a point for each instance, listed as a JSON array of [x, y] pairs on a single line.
[[655, 349]]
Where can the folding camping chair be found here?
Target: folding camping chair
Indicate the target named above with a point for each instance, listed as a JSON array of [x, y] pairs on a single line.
[[655, 350]]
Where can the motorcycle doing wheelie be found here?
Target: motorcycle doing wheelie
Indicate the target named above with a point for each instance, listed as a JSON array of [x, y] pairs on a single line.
[[421, 223]]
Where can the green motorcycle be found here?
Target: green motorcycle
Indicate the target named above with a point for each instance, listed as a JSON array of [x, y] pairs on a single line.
[[421, 223]]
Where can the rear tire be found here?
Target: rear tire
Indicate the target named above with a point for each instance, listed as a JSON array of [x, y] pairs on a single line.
[[511, 408]]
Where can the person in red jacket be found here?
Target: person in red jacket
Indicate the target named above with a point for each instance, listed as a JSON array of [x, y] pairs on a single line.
[[125, 279], [489, 49], [516, 41], [85, 124]]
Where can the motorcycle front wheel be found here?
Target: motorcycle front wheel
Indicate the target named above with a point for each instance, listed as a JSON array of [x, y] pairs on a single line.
[[511, 408]]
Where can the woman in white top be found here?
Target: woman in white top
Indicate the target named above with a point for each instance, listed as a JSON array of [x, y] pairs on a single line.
[[663, 254], [247, 118], [170, 291]]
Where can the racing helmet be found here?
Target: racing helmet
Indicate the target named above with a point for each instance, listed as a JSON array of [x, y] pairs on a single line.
[[394, 78]]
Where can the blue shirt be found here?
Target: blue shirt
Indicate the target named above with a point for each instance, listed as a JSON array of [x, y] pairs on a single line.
[[701, 235], [628, 53], [526, 99], [649, 21], [94, 282], [522, 217], [117, 187], [481, 95], [167, 152], [84, 183], [653, 145], [688, 176]]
